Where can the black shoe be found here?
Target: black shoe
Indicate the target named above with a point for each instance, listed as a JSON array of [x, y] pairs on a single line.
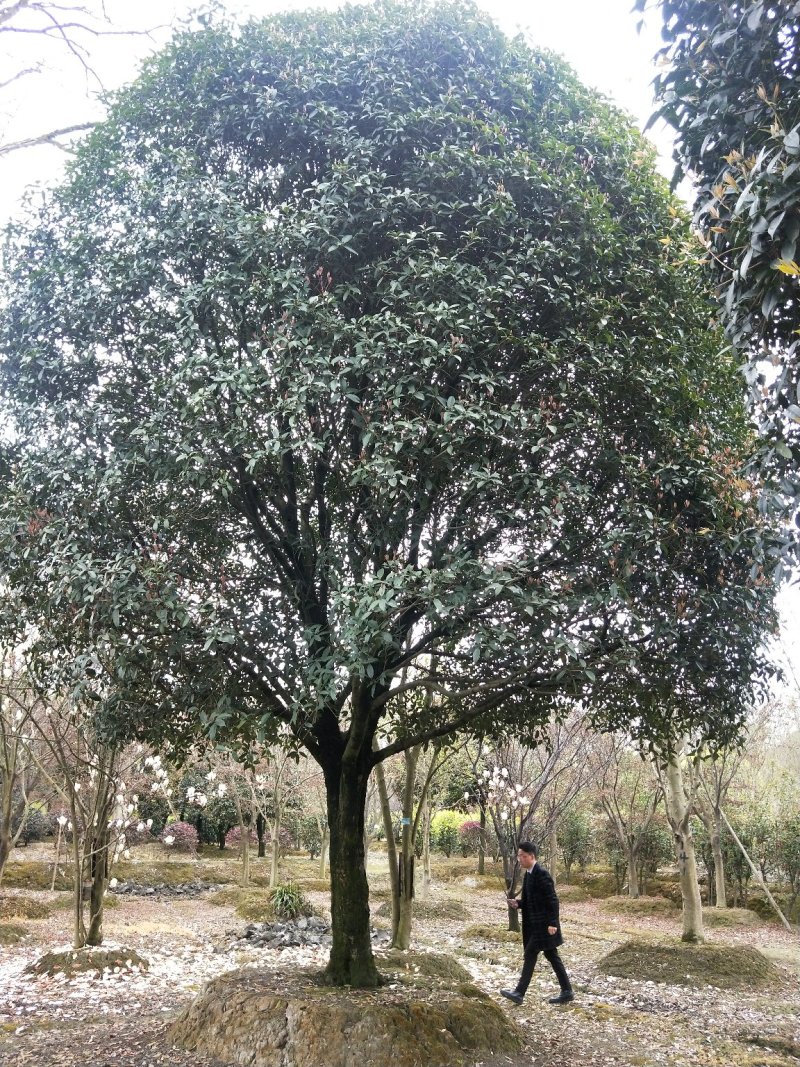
[[564, 997], [512, 995]]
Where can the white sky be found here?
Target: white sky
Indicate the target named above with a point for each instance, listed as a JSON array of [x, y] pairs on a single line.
[[598, 37]]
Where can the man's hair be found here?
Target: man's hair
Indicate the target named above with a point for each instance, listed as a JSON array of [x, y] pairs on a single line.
[[529, 847]]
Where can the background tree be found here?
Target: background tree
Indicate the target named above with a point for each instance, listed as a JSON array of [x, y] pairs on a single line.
[[353, 347], [19, 772], [629, 794], [729, 87], [678, 787], [91, 775]]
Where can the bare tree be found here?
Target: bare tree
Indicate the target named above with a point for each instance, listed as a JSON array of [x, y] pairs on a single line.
[[629, 794], [39, 34], [91, 776], [529, 790]]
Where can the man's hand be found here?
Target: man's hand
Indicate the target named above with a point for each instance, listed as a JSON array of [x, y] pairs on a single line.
[[512, 902], [552, 930]]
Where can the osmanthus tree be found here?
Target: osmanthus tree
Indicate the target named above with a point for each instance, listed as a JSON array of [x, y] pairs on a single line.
[[729, 86], [350, 360]]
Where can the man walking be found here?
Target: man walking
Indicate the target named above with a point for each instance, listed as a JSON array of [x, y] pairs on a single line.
[[541, 930]]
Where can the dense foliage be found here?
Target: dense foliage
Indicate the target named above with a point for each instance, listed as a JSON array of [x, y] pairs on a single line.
[[729, 86], [353, 359]]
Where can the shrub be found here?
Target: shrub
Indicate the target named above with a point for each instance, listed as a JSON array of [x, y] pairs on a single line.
[[288, 901], [151, 806], [469, 837], [35, 827], [445, 826], [309, 835], [233, 838], [575, 839], [138, 833], [180, 837]]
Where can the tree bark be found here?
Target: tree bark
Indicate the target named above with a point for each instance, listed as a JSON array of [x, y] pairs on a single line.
[[482, 840], [5, 847], [391, 850], [553, 849], [679, 813], [633, 871], [351, 961], [401, 935], [99, 868]]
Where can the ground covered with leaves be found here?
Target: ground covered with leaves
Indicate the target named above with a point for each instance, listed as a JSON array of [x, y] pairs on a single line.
[[622, 1015]]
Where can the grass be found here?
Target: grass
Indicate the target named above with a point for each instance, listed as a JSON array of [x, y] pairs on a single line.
[[13, 907], [572, 894], [414, 966], [655, 906], [87, 961], [727, 917], [263, 905], [485, 932], [424, 910], [723, 966], [11, 933], [33, 874]]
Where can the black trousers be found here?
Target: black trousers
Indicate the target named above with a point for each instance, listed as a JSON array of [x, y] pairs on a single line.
[[529, 962]]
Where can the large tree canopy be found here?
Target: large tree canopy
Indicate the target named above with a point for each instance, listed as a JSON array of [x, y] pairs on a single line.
[[730, 88], [358, 361]]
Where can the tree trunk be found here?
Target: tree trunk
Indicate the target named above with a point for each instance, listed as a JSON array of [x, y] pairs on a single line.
[[678, 813], [553, 849], [401, 935], [482, 841], [322, 826], [245, 832], [351, 961], [99, 867], [5, 846], [391, 850], [427, 815], [720, 892], [78, 927], [261, 827], [633, 871], [273, 860]]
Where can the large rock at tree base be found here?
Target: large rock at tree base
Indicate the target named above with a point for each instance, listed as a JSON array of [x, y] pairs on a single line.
[[262, 1019]]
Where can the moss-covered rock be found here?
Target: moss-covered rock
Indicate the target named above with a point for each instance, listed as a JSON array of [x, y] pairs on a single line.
[[251, 1017], [724, 966], [87, 961]]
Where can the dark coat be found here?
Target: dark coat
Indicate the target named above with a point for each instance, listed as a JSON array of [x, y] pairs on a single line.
[[538, 904]]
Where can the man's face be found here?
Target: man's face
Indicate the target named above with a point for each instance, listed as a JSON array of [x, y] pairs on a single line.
[[526, 860]]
